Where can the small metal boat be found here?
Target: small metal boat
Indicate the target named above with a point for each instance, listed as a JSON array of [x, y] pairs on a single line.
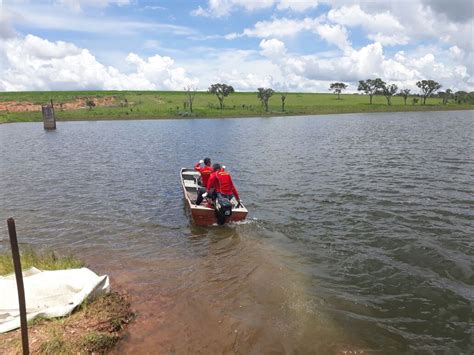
[[205, 214]]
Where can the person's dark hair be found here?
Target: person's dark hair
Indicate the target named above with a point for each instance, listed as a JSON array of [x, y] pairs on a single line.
[[207, 161], [216, 166]]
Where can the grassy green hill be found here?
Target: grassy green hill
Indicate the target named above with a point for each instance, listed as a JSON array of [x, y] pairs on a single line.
[[170, 104]]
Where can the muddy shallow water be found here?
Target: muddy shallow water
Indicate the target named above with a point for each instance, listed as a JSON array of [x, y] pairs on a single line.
[[360, 234]]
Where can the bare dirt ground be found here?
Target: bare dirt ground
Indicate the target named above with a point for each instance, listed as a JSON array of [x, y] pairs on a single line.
[[93, 328], [23, 106]]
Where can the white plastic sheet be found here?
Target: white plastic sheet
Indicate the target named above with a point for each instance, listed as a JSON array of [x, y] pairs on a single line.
[[48, 293]]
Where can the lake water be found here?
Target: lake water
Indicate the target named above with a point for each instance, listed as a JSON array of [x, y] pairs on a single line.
[[360, 235]]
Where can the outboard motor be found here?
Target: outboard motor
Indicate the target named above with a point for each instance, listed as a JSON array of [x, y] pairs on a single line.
[[223, 209]]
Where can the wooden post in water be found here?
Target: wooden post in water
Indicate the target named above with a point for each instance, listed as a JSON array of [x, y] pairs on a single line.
[[19, 284], [49, 119]]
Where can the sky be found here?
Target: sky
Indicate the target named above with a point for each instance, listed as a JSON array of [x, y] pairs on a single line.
[[288, 45]]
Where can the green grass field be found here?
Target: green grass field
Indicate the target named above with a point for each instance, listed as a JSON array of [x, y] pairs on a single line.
[[170, 104]]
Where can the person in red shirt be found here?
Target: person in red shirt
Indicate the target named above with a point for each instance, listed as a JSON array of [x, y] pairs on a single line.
[[205, 171], [221, 183]]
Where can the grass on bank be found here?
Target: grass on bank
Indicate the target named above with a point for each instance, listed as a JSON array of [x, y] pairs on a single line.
[[171, 104], [42, 261], [94, 327]]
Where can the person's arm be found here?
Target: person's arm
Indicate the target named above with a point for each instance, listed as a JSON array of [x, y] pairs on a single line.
[[211, 182], [234, 190], [198, 166]]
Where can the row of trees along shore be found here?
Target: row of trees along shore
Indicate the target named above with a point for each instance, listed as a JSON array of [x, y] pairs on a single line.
[[369, 87], [224, 90], [428, 88]]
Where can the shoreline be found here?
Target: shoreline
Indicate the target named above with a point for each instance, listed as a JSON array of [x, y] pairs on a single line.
[[270, 115], [133, 105]]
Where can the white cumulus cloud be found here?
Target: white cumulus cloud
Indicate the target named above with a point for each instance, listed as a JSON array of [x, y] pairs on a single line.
[[334, 34], [272, 48], [369, 61], [382, 27], [33, 63], [223, 8], [383, 22], [456, 53], [389, 40], [281, 27], [297, 5]]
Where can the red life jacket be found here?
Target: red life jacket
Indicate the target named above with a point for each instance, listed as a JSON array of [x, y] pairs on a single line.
[[222, 182], [205, 173]]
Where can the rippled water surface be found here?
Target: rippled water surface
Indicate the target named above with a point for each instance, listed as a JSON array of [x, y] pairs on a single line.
[[360, 234]]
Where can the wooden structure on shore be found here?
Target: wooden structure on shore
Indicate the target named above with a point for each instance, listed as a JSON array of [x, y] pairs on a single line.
[[49, 119]]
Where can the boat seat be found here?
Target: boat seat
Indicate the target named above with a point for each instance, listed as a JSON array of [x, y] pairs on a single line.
[[191, 173], [190, 183]]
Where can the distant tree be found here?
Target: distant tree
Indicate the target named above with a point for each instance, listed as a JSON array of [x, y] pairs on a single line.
[[466, 98], [445, 95], [283, 98], [221, 91], [379, 84], [405, 93], [441, 95], [337, 88], [427, 87], [461, 97], [190, 92], [415, 101], [264, 95], [367, 87], [388, 91], [90, 103], [371, 87]]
